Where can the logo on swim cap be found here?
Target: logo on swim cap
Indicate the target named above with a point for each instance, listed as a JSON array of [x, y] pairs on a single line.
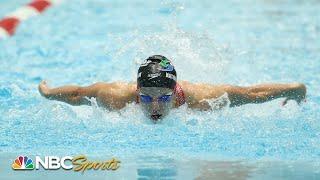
[[164, 62], [151, 76], [168, 68]]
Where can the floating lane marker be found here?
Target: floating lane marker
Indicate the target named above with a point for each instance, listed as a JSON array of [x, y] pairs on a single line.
[[11, 21], [3, 33]]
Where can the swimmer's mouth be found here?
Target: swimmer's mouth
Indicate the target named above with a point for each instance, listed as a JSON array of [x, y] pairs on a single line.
[[155, 117]]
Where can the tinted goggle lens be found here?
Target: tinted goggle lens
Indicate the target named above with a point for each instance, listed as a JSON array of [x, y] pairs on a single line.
[[148, 99]]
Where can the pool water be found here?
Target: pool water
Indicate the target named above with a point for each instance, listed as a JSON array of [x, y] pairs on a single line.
[[235, 42]]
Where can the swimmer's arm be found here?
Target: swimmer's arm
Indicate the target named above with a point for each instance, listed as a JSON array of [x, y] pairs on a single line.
[[265, 92], [74, 95]]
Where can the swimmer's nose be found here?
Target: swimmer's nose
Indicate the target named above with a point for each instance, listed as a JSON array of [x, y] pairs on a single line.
[[155, 106], [155, 115]]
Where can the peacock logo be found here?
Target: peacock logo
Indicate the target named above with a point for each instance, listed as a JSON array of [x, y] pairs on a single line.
[[23, 163]]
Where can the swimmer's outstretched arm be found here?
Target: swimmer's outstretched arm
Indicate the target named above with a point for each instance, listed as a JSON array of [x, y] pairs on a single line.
[[74, 95], [265, 92]]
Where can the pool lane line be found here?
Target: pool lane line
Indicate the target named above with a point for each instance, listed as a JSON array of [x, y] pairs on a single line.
[[10, 22]]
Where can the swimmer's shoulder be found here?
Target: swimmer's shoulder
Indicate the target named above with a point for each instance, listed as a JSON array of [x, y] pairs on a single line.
[[194, 90], [117, 94], [195, 93], [201, 89], [117, 88], [189, 91]]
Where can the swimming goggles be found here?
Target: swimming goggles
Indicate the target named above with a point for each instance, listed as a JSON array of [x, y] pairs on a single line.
[[148, 99]]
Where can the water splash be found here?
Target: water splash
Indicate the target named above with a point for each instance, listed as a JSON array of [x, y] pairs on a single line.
[[189, 52]]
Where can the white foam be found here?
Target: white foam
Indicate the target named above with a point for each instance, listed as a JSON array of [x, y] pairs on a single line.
[[189, 52], [219, 103]]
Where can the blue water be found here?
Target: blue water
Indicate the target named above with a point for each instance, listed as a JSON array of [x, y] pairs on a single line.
[[236, 42]]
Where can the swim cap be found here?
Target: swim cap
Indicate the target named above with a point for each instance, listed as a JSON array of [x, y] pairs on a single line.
[[157, 71]]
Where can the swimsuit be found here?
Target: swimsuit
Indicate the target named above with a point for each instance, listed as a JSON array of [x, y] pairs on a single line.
[[178, 92]]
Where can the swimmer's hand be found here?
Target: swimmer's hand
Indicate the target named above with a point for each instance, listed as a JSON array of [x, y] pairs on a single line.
[[43, 88], [298, 93]]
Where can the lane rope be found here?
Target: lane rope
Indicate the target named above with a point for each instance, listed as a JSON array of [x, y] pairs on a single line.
[[10, 22]]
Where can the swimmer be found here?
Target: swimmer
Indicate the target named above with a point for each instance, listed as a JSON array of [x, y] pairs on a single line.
[[157, 91]]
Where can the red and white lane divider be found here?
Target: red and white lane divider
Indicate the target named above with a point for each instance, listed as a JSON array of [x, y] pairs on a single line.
[[11, 21]]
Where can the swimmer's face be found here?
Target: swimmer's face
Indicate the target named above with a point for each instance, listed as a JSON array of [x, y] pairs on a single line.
[[156, 102]]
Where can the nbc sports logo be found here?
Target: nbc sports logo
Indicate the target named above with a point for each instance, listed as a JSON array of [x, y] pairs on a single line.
[[78, 163], [23, 163]]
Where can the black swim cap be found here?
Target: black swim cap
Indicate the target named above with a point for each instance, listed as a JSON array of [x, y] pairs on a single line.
[[157, 71]]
